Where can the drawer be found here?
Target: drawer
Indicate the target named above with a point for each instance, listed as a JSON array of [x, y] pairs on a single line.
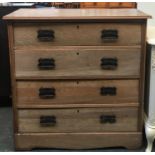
[[51, 34], [81, 63], [78, 120], [45, 93]]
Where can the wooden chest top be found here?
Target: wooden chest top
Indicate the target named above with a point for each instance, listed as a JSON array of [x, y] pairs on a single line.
[[75, 14]]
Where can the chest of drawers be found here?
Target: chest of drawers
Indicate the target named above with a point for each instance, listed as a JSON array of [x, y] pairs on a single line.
[[77, 77]]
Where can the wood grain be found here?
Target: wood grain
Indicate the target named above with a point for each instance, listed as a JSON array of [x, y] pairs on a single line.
[[68, 14], [143, 72], [87, 34], [77, 62], [130, 140], [78, 100], [79, 120], [78, 92], [13, 81], [79, 105]]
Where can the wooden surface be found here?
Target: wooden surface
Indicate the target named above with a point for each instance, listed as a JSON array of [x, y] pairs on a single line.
[[74, 91], [79, 120], [78, 92], [68, 14], [84, 34], [77, 62], [142, 80], [13, 79], [79, 105], [130, 140]]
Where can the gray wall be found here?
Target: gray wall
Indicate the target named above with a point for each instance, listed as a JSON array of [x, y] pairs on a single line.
[[149, 8]]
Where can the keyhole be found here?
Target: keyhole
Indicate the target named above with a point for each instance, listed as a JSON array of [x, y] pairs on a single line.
[[77, 82], [77, 26], [78, 111], [77, 53]]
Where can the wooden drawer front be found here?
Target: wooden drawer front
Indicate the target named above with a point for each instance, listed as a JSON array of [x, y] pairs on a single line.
[[91, 140], [78, 63], [77, 92], [78, 120], [77, 34]]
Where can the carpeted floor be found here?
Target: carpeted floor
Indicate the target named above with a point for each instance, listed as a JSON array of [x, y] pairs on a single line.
[[6, 136]]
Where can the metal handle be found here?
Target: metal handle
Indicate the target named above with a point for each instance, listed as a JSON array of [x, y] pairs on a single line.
[[109, 63], [112, 91], [46, 63], [47, 121], [45, 35], [109, 35], [46, 93], [107, 119]]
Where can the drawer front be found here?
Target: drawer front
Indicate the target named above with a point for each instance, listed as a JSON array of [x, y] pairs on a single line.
[[78, 120], [77, 92], [45, 34], [78, 63]]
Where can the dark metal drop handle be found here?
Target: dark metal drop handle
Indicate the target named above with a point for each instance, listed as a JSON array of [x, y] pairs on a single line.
[[107, 119], [45, 35], [112, 91], [46, 64], [47, 93], [109, 63], [109, 35], [47, 121]]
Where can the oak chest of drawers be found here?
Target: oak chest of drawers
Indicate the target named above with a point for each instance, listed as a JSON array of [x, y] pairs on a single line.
[[77, 77]]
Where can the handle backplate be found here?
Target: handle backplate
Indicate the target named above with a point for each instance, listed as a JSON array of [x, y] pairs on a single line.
[[109, 63], [47, 93], [107, 119], [112, 91], [46, 64], [47, 121], [45, 35], [109, 35]]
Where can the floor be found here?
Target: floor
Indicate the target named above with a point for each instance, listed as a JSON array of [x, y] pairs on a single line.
[[6, 133], [6, 136]]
